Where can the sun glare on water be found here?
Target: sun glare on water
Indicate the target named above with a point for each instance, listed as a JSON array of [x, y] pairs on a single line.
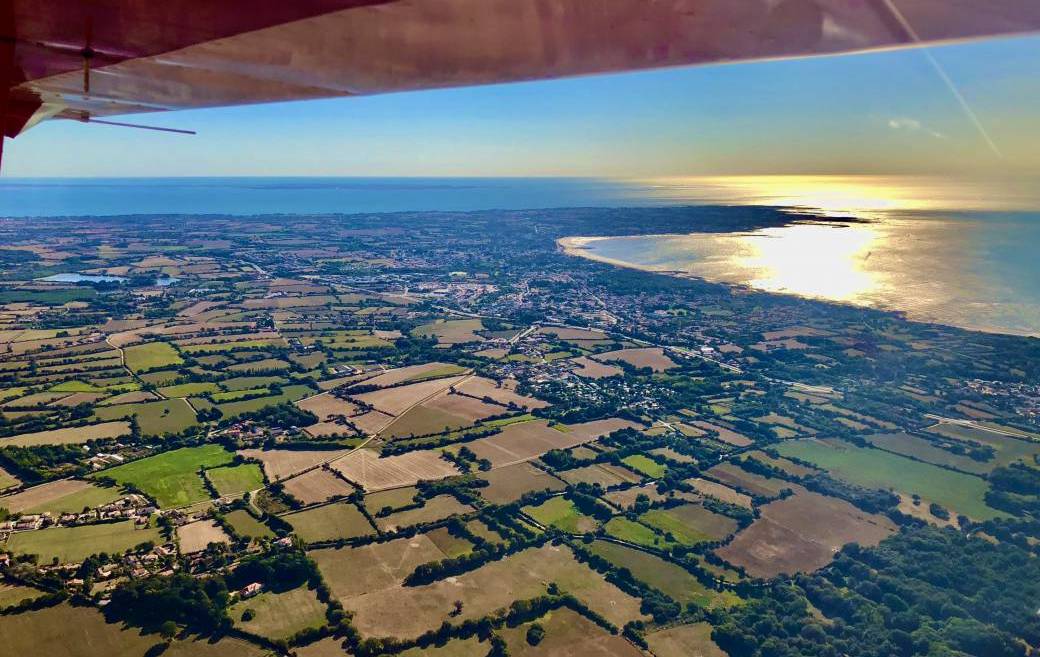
[[811, 260]]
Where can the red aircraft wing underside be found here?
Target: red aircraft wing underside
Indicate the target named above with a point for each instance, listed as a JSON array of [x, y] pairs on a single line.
[[80, 59]]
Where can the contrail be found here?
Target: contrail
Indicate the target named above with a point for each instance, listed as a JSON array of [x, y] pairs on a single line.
[[941, 72]]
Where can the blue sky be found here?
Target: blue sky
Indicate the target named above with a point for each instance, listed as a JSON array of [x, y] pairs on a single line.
[[874, 113]]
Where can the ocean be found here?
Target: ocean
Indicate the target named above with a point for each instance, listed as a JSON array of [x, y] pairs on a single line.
[[954, 251]]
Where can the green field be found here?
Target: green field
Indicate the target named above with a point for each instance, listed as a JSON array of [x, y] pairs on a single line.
[[669, 578], [216, 347], [280, 615], [73, 544], [645, 465], [155, 418], [236, 479], [74, 386], [246, 525], [329, 522], [188, 389], [247, 382], [12, 594], [151, 355], [561, 513], [67, 631], [690, 524], [624, 529], [289, 394], [47, 297], [221, 397], [873, 468], [172, 478]]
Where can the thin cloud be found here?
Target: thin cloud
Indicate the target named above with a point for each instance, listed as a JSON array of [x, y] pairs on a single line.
[[913, 125]]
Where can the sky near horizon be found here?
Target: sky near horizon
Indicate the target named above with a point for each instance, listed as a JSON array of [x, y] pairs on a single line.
[[877, 113]]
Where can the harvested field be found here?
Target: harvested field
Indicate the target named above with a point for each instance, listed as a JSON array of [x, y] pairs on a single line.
[[402, 374], [395, 401], [74, 544], [372, 422], [508, 484], [568, 334], [720, 492], [423, 420], [802, 533], [684, 641], [7, 480], [478, 386], [195, 536], [735, 476], [436, 508], [526, 440], [78, 398], [604, 474], [671, 579], [456, 331], [131, 397], [567, 634], [68, 436], [64, 495], [280, 463], [725, 435], [329, 522], [589, 431], [591, 369], [626, 497], [465, 407], [280, 615], [690, 524], [652, 357], [155, 418], [356, 571], [365, 468], [326, 405], [316, 486], [409, 611]]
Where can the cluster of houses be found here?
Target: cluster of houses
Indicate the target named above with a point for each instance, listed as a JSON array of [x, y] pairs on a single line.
[[131, 507]]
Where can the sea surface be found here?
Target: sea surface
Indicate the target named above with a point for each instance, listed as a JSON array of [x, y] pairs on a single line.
[[964, 252]]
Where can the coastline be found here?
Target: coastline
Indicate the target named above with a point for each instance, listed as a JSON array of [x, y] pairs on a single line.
[[577, 246]]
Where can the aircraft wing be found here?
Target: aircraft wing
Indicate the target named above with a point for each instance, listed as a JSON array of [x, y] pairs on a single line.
[[83, 59]]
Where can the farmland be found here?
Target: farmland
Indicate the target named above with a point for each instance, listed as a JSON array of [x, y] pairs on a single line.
[[171, 478], [63, 496], [801, 533], [70, 435], [670, 579], [280, 615], [690, 523], [329, 522], [409, 611], [154, 417], [73, 544], [561, 513], [229, 480], [151, 356], [874, 468]]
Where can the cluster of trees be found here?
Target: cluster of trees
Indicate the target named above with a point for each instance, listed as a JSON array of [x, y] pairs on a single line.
[[201, 603], [1015, 489], [925, 591]]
